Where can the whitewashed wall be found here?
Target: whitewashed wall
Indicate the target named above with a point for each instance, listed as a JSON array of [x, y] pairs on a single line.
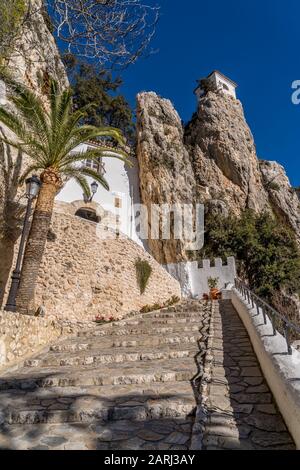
[[220, 81], [123, 182], [193, 276]]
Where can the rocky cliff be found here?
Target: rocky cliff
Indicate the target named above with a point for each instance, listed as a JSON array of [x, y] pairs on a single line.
[[166, 172], [223, 155], [212, 160], [34, 59], [283, 199]]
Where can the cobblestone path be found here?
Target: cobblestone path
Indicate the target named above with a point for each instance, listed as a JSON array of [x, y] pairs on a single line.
[[239, 410], [128, 385]]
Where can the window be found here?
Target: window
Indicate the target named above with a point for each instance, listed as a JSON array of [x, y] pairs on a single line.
[[96, 165], [224, 86], [118, 202], [88, 214]]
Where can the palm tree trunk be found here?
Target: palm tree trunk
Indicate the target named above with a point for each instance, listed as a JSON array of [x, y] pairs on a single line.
[[36, 242]]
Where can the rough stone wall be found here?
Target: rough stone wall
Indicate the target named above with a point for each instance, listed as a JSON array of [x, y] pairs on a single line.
[[22, 335], [83, 275]]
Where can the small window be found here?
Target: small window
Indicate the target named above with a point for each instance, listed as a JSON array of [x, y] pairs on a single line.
[[118, 202], [96, 165], [224, 86], [88, 214]]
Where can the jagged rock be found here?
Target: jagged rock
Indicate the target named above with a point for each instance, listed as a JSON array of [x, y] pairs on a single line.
[[166, 173], [283, 198], [212, 161], [216, 207], [35, 56], [223, 153]]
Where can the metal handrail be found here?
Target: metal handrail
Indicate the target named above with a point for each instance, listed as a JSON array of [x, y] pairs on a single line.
[[268, 311]]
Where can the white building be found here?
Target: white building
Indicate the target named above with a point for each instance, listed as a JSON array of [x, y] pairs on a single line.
[[220, 81], [123, 192]]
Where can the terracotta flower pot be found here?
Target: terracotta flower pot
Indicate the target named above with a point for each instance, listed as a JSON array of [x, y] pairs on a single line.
[[214, 293]]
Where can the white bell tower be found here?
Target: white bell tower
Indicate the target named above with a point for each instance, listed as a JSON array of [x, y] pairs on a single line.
[[218, 81]]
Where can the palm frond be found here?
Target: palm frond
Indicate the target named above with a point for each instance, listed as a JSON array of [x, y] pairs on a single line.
[[79, 178], [50, 138], [90, 154], [96, 176], [30, 106], [86, 134], [83, 183], [13, 122]]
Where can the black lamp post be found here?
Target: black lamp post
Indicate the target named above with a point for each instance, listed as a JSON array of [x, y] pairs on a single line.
[[32, 189], [94, 188]]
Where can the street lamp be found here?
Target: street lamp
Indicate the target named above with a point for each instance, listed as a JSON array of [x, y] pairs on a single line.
[[32, 189], [94, 188]]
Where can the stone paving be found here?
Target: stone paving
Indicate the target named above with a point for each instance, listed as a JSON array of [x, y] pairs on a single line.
[[128, 385], [238, 410]]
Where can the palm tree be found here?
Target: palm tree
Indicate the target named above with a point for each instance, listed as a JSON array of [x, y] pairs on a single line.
[[49, 133]]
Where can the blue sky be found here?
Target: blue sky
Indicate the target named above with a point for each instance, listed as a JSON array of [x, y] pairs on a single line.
[[256, 43]]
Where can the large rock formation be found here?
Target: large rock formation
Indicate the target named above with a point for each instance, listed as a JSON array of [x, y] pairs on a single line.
[[34, 59], [213, 161], [166, 172], [284, 199], [223, 154]]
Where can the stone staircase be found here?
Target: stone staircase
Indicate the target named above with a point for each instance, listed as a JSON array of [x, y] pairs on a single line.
[[132, 384]]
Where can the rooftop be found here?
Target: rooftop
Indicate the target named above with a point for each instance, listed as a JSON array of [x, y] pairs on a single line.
[[222, 75]]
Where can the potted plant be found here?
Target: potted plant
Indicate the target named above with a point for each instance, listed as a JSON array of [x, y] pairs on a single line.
[[101, 319], [213, 286]]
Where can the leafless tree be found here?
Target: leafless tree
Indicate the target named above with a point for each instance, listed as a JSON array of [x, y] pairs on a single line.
[[112, 32]]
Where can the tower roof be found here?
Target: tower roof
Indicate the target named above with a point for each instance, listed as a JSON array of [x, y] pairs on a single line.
[[224, 76]]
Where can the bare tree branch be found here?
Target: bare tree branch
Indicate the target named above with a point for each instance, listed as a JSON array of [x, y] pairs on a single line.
[[112, 32]]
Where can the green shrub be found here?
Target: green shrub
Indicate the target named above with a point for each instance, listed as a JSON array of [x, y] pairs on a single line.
[[274, 186], [173, 300], [212, 282], [266, 250], [11, 15], [151, 308], [143, 273]]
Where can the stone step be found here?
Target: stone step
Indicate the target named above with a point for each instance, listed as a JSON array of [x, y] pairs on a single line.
[[125, 385], [107, 356], [126, 331], [78, 344], [93, 403], [188, 314], [158, 434], [134, 373], [154, 322], [189, 305]]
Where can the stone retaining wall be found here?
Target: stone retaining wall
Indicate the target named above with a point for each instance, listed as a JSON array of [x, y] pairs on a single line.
[[23, 335], [83, 275]]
